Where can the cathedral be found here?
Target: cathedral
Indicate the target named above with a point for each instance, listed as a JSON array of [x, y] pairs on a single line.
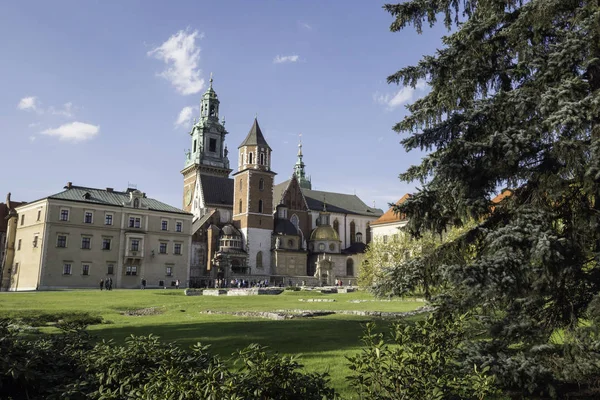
[[247, 227]]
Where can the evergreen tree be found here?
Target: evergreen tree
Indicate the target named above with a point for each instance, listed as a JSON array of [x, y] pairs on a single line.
[[514, 102]]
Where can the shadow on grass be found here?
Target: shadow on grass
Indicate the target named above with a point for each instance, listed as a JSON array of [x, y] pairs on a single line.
[[287, 337]]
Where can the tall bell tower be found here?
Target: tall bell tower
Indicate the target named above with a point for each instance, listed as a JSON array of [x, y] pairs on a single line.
[[253, 199], [208, 152]]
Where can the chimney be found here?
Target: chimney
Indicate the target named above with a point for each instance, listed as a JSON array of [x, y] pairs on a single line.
[[69, 185], [109, 190]]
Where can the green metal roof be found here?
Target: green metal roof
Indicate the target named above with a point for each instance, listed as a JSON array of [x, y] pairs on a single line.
[[113, 198]]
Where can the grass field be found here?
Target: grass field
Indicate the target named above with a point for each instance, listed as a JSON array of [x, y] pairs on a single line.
[[322, 342]]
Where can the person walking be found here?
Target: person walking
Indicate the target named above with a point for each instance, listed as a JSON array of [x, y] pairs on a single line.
[[109, 283], [143, 283], [177, 284], [101, 284]]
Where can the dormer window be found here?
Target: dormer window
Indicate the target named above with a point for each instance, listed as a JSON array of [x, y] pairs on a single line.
[[136, 203], [87, 196]]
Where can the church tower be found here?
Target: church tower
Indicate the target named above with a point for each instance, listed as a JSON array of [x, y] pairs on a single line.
[[303, 180], [208, 153], [253, 199]]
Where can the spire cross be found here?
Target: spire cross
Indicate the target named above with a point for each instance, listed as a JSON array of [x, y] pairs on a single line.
[[211, 80]]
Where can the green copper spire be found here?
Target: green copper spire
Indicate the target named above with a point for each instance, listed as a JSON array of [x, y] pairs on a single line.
[[303, 180]]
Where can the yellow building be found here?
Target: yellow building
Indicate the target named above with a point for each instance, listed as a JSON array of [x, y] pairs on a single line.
[[80, 236]]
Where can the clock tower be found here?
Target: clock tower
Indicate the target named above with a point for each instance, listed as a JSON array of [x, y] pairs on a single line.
[[207, 156], [253, 199]]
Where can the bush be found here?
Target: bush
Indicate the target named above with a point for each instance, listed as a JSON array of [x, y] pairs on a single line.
[[293, 288], [67, 365]]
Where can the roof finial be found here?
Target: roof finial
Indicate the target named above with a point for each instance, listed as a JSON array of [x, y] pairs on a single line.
[[255, 115], [324, 203], [211, 80], [300, 146]]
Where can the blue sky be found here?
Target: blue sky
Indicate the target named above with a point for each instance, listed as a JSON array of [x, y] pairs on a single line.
[[92, 91]]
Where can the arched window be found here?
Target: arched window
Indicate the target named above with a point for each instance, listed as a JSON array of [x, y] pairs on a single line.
[[259, 263], [241, 184], [260, 206], [136, 203], [261, 184], [359, 237], [290, 244], [194, 145], [352, 232], [295, 220], [336, 227], [349, 267], [368, 233], [262, 158], [250, 158], [240, 209]]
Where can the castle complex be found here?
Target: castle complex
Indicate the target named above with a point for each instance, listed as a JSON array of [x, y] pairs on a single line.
[[233, 225]]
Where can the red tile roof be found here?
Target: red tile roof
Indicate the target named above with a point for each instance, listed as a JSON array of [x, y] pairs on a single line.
[[390, 216]]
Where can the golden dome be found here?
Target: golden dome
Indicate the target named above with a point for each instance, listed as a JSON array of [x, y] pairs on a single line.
[[324, 232]]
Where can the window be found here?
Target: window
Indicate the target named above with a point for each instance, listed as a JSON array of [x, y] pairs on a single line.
[[212, 145], [262, 158], [61, 241], [250, 158], [19, 245], [259, 260], [39, 214], [136, 203], [164, 225], [64, 215], [240, 207], [331, 247], [352, 232], [15, 268], [108, 218], [359, 237], [131, 270], [88, 217], [241, 184], [135, 222], [260, 206], [290, 244], [295, 220], [261, 184], [368, 231], [178, 226], [22, 219], [110, 269], [86, 243], [85, 269], [177, 248], [336, 226], [163, 248], [35, 241], [321, 246], [169, 271], [67, 269], [135, 244], [106, 244], [194, 145], [349, 267]]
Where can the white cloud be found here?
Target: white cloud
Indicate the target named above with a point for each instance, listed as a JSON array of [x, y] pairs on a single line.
[[66, 111], [32, 138], [305, 26], [182, 56], [74, 131], [34, 125], [28, 103], [285, 59], [406, 94], [185, 116]]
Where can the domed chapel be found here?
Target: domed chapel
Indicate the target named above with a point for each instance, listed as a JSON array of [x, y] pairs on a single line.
[[247, 227]]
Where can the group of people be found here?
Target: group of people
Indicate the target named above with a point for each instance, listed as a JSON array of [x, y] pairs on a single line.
[[239, 283], [106, 284]]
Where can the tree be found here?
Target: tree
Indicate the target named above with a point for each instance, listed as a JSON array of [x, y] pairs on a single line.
[[405, 264], [514, 102]]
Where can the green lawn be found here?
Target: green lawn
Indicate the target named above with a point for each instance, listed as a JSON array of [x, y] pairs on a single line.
[[322, 342]]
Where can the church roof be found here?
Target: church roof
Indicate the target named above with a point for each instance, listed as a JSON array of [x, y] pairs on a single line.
[[336, 202], [390, 216], [255, 137], [217, 190], [109, 197], [339, 203], [355, 248]]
